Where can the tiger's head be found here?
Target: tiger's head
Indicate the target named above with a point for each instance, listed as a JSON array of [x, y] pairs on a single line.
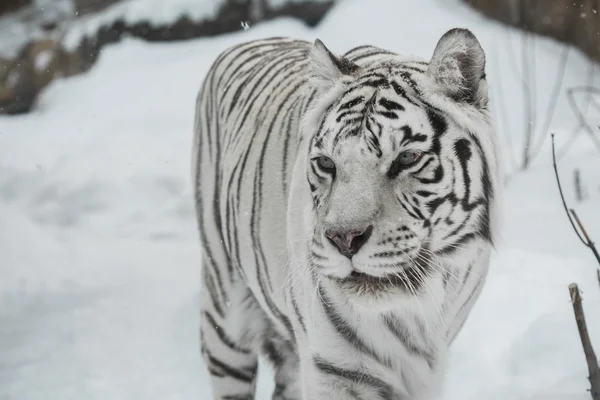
[[402, 165]]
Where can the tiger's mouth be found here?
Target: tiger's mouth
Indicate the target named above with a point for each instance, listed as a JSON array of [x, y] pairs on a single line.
[[407, 279], [410, 277]]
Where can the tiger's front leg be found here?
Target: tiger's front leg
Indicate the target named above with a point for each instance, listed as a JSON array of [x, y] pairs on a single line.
[[327, 377], [230, 334], [283, 356], [330, 368], [349, 354]]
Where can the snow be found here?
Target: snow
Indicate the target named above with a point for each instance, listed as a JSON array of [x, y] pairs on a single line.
[[42, 60], [99, 254]]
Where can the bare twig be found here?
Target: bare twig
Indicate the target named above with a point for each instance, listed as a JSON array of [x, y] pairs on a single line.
[[577, 183], [589, 242], [581, 122], [562, 196], [579, 114], [588, 349], [527, 98], [585, 239]]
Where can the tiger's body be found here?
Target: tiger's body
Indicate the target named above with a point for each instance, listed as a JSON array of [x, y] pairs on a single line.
[[348, 260]]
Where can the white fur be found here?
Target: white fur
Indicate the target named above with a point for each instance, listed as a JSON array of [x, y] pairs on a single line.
[[432, 317]]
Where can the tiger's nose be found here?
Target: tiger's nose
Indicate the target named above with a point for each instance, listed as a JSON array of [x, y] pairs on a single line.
[[350, 241]]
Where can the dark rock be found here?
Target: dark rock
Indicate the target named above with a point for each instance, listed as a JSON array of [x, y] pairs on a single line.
[[20, 86]]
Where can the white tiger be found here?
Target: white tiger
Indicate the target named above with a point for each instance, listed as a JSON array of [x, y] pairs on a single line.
[[347, 209]]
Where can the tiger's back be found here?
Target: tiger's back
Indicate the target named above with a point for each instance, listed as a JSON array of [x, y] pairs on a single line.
[[246, 139]]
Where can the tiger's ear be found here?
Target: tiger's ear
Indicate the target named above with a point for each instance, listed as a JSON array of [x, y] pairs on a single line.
[[327, 68], [458, 67]]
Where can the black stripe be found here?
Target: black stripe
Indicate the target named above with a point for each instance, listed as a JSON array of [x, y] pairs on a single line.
[[388, 114], [259, 256], [424, 193], [233, 201], [480, 282], [401, 92], [286, 143], [462, 149], [373, 53], [210, 285], [408, 210], [410, 137], [216, 206], [347, 331], [407, 77], [357, 49], [349, 104], [238, 397], [318, 136], [390, 105], [309, 101], [225, 339], [425, 164], [244, 374], [488, 193], [236, 95], [200, 209], [414, 208], [414, 69], [400, 331], [461, 241], [297, 310], [357, 378], [438, 175]]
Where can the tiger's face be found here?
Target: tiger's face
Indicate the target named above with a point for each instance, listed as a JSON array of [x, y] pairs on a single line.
[[397, 184]]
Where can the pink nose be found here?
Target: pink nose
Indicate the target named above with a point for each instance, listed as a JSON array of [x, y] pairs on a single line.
[[350, 241]]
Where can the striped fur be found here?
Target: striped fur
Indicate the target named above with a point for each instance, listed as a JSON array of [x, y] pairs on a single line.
[[293, 143]]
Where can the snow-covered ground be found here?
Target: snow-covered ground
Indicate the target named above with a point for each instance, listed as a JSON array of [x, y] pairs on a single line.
[[99, 256]]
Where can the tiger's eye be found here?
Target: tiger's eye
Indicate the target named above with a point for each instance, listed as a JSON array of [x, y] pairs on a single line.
[[408, 157], [326, 164]]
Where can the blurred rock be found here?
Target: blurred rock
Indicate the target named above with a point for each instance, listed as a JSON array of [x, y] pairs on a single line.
[[22, 78], [42, 59], [11, 5], [83, 7], [576, 22]]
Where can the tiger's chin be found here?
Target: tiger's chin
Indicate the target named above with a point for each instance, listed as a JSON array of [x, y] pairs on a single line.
[[384, 293]]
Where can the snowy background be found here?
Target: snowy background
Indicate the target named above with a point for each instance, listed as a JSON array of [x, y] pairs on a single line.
[[99, 255]]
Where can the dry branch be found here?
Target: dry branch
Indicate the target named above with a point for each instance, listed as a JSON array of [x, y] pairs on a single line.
[[581, 125], [577, 183], [585, 239], [579, 114], [590, 356], [588, 241]]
